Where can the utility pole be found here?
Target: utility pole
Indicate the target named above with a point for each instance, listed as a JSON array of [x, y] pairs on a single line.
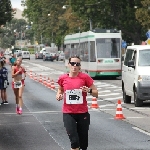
[[90, 24]]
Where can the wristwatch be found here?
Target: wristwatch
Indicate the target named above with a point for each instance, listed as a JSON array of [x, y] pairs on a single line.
[[90, 91]]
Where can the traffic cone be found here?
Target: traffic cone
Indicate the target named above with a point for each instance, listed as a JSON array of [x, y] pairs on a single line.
[[31, 74], [44, 81], [40, 79], [119, 114], [35, 77], [48, 83], [52, 85], [94, 103]]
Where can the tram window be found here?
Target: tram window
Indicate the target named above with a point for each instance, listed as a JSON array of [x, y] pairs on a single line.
[[92, 51], [108, 47], [85, 53]]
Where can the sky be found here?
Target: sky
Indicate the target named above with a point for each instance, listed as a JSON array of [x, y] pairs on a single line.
[[16, 4]]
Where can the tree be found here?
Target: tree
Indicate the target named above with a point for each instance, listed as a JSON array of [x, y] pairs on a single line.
[[143, 14], [6, 11], [112, 14]]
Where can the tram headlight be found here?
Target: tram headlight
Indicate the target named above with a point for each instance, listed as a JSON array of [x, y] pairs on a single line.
[[100, 60]]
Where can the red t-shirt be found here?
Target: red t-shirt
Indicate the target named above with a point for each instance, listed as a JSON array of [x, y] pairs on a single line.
[[71, 83]]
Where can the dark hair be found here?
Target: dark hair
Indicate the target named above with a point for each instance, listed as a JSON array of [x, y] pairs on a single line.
[[2, 63], [75, 56]]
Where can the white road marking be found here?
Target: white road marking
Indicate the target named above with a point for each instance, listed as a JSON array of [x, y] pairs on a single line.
[[114, 98], [118, 89], [102, 106], [105, 91], [104, 85], [109, 94], [142, 131], [134, 117]]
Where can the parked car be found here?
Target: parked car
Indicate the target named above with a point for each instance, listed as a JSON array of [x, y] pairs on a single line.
[[49, 56], [25, 55], [18, 53], [6, 52], [136, 74], [38, 55], [61, 56]]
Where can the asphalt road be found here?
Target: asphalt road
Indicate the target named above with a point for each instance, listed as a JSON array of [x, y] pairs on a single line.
[[41, 127]]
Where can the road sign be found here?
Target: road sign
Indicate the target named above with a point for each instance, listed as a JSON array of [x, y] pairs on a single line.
[[124, 44], [148, 34]]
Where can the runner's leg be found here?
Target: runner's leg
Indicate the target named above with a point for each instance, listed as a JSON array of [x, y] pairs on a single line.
[[83, 128], [16, 93], [20, 98], [71, 128]]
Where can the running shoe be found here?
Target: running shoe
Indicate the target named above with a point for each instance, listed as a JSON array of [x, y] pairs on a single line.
[[2, 103], [6, 102], [20, 111], [17, 110]]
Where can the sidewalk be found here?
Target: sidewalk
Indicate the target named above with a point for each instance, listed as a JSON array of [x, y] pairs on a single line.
[[22, 132]]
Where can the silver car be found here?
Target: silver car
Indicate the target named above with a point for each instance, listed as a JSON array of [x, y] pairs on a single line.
[[61, 57]]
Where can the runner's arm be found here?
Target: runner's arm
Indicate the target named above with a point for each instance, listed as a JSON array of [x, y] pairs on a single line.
[[94, 91], [12, 72], [59, 94]]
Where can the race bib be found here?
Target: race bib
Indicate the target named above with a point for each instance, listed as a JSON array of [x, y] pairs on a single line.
[[17, 84], [74, 96]]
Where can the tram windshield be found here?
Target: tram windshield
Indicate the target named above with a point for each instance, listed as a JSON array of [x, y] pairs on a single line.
[[108, 47]]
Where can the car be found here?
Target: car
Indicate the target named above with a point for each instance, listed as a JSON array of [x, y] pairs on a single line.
[[25, 55], [136, 74], [38, 55], [18, 53], [61, 56], [49, 56], [6, 53]]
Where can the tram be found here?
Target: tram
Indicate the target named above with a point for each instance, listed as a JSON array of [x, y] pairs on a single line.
[[99, 50]]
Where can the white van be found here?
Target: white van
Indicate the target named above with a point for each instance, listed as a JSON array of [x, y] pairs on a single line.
[[136, 74], [25, 55]]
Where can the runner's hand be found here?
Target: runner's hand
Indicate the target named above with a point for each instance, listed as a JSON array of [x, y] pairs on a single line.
[[59, 97], [84, 88]]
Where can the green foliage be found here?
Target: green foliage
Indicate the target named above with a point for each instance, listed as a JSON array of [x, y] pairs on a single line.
[[143, 14], [12, 31], [5, 11], [114, 14]]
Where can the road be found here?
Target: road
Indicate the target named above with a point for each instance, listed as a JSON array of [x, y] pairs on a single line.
[[41, 124]]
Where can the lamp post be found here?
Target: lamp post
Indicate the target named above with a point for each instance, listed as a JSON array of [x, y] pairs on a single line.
[[52, 31]]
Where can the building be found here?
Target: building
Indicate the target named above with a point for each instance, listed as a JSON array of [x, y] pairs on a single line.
[[18, 14]]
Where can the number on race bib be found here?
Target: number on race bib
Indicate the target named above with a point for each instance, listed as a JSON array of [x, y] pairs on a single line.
[[18, 84], [74, 96]]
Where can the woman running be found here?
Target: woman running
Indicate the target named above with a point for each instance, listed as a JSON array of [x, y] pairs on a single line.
[[3, 81], [18, 75], [74, 87]]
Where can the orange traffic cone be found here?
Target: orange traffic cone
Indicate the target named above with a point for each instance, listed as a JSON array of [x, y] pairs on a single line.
[[40, 79], [52, 85], [94, 103], [35, 77], [48, 83], [31, 74], [44, 81], [119, 114]]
